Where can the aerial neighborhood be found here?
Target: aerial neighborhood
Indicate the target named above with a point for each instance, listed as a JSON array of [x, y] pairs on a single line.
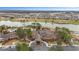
[[39, 30], [39, 15]]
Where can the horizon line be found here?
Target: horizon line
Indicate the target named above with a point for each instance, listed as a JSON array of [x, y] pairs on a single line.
[[41, 8]]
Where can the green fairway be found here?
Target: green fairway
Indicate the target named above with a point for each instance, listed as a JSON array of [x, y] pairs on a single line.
[[61, 21]]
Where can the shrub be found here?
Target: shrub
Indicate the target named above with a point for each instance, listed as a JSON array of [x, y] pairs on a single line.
[[64, 35], [22, 47]]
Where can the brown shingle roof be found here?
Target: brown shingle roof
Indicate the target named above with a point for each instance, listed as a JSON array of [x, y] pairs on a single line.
[[8, 36]]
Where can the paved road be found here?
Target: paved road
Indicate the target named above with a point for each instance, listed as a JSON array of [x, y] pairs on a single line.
[[7, 49], [44, 48], [71, 48]]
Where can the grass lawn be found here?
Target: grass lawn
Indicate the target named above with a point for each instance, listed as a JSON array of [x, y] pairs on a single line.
[[76, 43]]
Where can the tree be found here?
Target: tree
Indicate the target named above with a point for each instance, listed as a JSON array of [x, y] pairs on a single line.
[[22, 47], [36, 25], [11, 18], [3, 27], [57, 28], [23, 32], [28, 32], [64, 35]]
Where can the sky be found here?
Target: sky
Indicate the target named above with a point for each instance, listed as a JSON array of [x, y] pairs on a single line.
[[39, 3], [42, 8], [56, 5]]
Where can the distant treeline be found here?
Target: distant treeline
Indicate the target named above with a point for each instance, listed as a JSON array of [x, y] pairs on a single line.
[[36, 11]]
